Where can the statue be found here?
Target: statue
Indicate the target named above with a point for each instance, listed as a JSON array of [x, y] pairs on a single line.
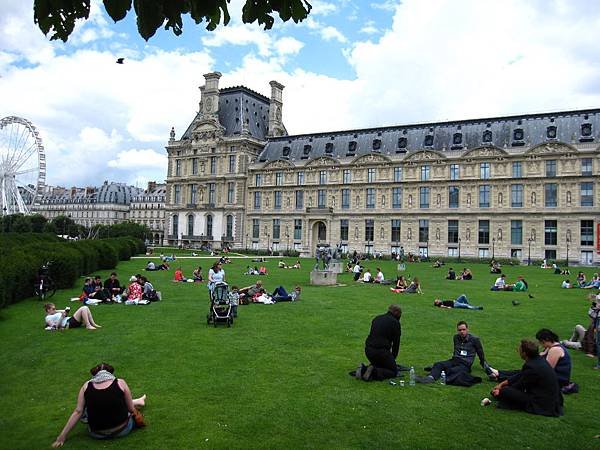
[[323, 254], [337, 252]]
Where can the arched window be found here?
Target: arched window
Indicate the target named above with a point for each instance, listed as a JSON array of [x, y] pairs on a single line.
[[209, 225], [229, 222], [190, 225], [175, 225]]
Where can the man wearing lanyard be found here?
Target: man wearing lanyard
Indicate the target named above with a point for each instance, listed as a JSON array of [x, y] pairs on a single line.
[[466, 347]]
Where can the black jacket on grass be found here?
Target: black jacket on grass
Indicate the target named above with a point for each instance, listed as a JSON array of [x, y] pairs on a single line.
[[385, 334], [465, 350]]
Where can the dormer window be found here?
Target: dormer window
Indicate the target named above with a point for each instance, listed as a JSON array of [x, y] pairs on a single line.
[[457, 139], [329, 147], [402, 143], [376, 144], [586, 133], [551, 132], [307, 149], [286, 152], [518, 137], [351, 146], [487, 136], [428, 140]]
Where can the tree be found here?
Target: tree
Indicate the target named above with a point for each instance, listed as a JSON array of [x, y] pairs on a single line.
[[37, 223], [21, 224], [129, 229], [58, 17]]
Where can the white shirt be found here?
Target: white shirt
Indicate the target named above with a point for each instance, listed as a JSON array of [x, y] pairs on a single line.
[[500, 282], [356, 269], [380, 277], [367, 277], [53, 320]]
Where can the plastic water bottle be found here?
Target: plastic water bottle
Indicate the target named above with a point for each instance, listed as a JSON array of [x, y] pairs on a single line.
[[411, 376], [443, 377]]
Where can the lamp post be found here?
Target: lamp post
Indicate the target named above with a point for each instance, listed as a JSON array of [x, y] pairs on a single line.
[[493, 247], [246, 241], [458, 249], [529, 241], [269, 244], [287, 238], [568, 242]]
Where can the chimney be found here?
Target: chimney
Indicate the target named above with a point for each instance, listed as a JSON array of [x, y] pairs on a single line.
[[209, 101], [276, 127]]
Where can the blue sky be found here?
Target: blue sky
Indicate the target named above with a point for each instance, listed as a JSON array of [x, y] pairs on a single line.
[[350, 65]]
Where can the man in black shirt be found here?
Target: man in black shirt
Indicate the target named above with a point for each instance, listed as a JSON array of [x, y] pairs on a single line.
[[382, 346], [466, 347]]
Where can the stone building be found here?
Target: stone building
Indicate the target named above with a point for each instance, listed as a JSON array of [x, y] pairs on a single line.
[[520, 186], [148, 208]]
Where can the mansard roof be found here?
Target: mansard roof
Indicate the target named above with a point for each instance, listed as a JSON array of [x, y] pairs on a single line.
[[239, 105], [509, 132]]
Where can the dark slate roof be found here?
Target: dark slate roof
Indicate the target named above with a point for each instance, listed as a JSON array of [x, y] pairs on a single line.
[[238, 105], [509, 132], [116, 193]]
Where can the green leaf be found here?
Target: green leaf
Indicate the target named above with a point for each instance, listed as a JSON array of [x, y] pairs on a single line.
[[117, 9], [58, 16], [150, 16]]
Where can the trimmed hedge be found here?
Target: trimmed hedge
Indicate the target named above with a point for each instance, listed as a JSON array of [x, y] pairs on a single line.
[[27, 252]]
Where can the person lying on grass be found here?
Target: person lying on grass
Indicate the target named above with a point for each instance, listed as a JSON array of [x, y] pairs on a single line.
[[109, 406], [281, 295], [460, 302], [59, 319]]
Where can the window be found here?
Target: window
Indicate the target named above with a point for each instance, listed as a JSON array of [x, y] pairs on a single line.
[[258, 179], [213, 165], [586, 167], [347, 178], [344, 225], [369, 229], [484, 232], [454, 171], [193, 191], [516, 232], [278, 178], [177, 167], [177, 194], [276, 228], [190, 225], [370, 198], [423, 230], [550, 232], [257, 200], [175, 225], [424, 197], [277, 200], [211, 193], [452, 231], [487, 137], [397, 174], [516, 195], [484, 196], [402, 143], [586, 129], [587, 232], [229, 222], [255, 229], [516, 169], [484, 170], [550, 195], [395, 230], [370, 175], [397, 197], [321, 198], [453, 196], [551, 168], [551, 132], [518, 134], [345, 198], [516, 253], [195, 166], [299, 199], [587, 194], [209, 225], [329, 148], [322, 177], [452, 252], [297, 229], [351, 147], [484, 253], [425, 173], [231, 163], [230, 193], [300, 178], [428, 142]]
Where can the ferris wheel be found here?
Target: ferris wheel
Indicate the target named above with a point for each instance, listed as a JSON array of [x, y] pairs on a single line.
[[22, 165]]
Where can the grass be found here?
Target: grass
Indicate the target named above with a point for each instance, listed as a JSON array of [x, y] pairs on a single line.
[[278, 377]]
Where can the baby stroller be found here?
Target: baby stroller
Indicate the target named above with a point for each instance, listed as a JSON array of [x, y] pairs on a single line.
[[220, 307]]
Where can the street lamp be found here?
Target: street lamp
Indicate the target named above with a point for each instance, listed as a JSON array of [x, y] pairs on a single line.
[[568, 242], [287, 237], [529, 241], [493, 247], [458, 249]]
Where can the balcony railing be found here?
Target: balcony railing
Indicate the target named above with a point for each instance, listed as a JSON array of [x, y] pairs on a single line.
[[320, 210]]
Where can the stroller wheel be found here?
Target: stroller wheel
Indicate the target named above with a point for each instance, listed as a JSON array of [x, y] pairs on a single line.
[[229, 323]]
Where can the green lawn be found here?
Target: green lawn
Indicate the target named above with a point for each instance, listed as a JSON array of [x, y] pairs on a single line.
[[278, 378]]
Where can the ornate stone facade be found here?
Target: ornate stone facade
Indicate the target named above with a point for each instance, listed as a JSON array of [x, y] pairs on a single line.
[[148, 208]]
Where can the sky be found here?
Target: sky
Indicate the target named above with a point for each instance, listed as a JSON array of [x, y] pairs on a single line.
[[360, 64]]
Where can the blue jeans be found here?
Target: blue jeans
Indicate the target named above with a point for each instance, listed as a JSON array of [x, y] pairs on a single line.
[[462, 302], [598, 345], [281, 295], [124, 432]]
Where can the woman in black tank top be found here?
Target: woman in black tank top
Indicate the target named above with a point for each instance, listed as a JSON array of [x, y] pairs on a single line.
[[108, 403]]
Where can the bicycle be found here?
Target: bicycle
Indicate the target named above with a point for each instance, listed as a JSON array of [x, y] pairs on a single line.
[[45, 287]]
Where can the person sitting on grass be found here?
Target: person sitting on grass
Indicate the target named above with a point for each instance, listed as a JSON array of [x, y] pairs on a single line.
[[451, 274], [356, 270], [535, 390], [580, 279], [108, 404], [179, 278], [594, 283], [367, 277], [249, 292], [379, 278], [495, 267], [437, 264], [281, 265], [295, 266], [112, 286], [414, 287], [262, 270], [148, 291], [500, 284], [521, 285], [150, 266], [59, 319], [466, 274], [401, 285], [281, 295], [566, 284], [460, 302], [133, 293], [197, 274]]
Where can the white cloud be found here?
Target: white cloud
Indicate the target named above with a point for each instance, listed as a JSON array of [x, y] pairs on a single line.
[[387, 5], [288, 46], [322, 8], [140, 159], [242, 35], [369, 28], [326, 32]]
